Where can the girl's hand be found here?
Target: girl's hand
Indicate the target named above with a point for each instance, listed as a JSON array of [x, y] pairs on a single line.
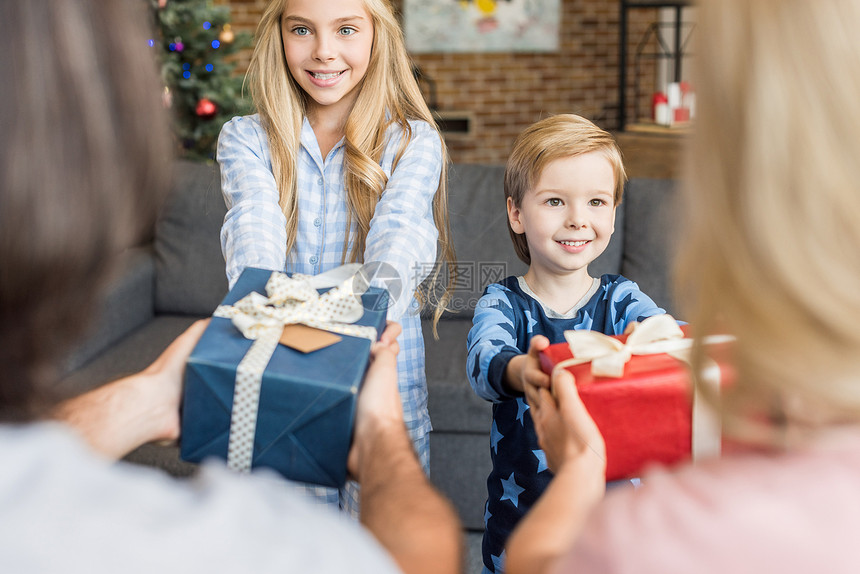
[[566, 432], [389, 337], [524, 370]]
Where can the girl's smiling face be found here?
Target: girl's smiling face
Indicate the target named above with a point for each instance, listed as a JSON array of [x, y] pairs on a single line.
[[327, 45]]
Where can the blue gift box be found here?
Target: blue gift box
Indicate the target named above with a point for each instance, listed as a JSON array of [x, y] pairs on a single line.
[[307, 400]]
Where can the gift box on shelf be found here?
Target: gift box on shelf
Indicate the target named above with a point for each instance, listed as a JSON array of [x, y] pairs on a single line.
[[638, 390], [256, 402]]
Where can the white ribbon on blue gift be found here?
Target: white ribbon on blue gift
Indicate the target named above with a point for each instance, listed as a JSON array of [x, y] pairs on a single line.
[[289, 300]]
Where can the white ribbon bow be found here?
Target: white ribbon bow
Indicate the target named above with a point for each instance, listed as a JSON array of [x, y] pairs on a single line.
[[290, 300], [608, 355], [295, 300], [657, 334], [654, 335]]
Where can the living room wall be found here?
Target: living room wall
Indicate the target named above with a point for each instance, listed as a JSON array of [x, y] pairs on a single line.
[[502, 93]]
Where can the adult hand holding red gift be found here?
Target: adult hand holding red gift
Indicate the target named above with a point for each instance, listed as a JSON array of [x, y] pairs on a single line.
[[577, 455], [565, 430]]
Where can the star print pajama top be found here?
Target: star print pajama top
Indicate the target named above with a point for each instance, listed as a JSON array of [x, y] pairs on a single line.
[[506, 318]]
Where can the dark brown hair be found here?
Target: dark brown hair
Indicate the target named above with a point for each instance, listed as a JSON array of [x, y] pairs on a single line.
[[83, 166]]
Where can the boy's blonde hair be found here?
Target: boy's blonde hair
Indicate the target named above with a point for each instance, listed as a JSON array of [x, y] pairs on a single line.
[[389, 94], [550, 139], [772, 251]]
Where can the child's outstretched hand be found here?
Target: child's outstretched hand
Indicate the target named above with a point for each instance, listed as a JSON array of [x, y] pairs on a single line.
[[525, 369], [389, 336]]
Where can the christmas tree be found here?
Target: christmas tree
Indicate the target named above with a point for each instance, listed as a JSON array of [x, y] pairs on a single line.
[[194, 40]]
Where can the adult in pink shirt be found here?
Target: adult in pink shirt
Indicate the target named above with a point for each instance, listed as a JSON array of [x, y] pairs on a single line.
[[771, 254]]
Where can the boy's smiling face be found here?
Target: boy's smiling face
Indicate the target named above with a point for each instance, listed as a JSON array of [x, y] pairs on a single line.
[[569, 215]]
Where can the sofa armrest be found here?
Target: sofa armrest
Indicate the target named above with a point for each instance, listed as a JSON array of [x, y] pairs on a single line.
[[127, 304]]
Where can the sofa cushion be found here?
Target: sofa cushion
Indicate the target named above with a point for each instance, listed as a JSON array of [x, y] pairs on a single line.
[[459, 467], [190, 276], [126, 304], [650, 236], [453, 405], [131, 354], [476, 205]]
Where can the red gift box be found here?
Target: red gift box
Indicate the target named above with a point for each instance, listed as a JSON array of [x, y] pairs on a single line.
[[646, 414]]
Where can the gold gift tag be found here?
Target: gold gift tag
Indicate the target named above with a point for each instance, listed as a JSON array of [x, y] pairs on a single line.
[[307, 339]]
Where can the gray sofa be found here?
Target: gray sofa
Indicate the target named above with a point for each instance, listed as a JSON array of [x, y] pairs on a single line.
[[165, 285]]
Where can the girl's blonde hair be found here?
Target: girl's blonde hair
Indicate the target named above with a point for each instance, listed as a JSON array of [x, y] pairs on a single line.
[[389, 95], [550, 139], [773, 242]]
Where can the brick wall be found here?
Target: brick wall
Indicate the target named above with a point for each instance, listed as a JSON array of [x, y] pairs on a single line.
[[504, 93], [245, 14]]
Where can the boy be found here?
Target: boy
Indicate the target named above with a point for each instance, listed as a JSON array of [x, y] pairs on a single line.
[[563, 182]]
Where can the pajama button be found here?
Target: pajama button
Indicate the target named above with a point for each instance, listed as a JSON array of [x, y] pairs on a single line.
[[317, 222], [320, 181], [313, 259]]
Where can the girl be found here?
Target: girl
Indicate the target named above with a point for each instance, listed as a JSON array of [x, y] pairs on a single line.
[[771, 256], [342, 163]]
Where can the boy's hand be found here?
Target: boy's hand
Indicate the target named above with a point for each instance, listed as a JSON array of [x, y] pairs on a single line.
[[525, 369]]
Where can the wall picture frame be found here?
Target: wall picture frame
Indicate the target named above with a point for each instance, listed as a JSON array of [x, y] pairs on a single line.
[[434, 26]]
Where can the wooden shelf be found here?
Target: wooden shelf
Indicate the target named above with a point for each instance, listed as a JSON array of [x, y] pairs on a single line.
[[625, 7], [653, 153], [657, 129]]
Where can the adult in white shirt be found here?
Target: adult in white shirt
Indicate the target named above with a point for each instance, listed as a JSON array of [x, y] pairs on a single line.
[[83, 166]]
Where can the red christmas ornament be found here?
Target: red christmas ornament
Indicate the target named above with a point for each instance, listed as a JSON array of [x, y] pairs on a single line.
[[206, 109]]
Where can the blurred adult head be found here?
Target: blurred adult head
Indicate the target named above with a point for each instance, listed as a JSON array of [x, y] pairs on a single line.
[[83, 163], [772, 221]]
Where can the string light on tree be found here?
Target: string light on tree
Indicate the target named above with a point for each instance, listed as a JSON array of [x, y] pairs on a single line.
[[194, 44], [227, 35]]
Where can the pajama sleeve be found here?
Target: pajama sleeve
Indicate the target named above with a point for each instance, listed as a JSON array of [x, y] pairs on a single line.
[[491, 344], [254, 230], [403, 232]]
